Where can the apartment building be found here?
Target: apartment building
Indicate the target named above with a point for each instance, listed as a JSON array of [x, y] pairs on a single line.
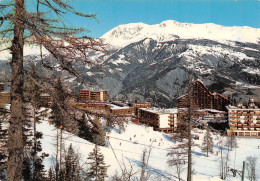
[[203, 98], [244, 120], [138, 105], [86, 95], [160, 119]]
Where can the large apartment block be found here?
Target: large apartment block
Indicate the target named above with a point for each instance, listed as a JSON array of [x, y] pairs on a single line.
[[160, 119], [244, 120], [203, 98], [86, 95]]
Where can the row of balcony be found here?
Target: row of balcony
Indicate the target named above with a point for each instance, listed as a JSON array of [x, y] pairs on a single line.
[[245, 125], [250, 129], [257, 113]]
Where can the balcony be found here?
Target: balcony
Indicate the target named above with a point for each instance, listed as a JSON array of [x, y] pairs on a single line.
[[233, 121], [233, 116]]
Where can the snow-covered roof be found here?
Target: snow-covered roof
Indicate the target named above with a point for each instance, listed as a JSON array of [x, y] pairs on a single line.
[[45, 95], [182, 96], [113, 106], [117, 107], [210, 110], [161, 111]]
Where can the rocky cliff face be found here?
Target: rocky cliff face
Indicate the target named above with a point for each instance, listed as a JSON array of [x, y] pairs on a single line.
[[160, 71]]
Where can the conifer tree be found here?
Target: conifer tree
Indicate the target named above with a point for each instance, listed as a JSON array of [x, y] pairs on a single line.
[[84, 130], [33, 96], [44, 23], [98, 168], [71, 165], [99, 135], [207, 144]]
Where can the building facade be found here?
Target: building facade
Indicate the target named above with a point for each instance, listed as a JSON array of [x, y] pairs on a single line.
[[244, 120], [203, 98], [5, 97], [160, 119], [138, 105], [86, 95]]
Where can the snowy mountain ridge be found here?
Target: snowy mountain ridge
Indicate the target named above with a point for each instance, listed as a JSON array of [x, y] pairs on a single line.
[[123, 35]]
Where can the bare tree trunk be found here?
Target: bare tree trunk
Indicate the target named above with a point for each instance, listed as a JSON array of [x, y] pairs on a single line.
[[35, 142], [15, 141], [190, 112], [57, 152], [189, 172], [221, 163], [60, 147]]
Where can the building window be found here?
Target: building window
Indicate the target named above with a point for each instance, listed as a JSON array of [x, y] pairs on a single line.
[[241, 134], [247, 133]]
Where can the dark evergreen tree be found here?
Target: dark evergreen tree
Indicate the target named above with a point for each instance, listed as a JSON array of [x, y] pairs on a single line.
[[33, 168], [58, 104], [98, 169], [84, 130], [61, 110], [71, 165], [99, 135], [207, 144], [51, 175]]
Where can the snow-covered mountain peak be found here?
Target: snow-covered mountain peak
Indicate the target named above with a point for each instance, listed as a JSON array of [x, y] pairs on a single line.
[[123, 35]]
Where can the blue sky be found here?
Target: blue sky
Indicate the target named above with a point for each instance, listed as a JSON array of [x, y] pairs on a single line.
[[112, 13]]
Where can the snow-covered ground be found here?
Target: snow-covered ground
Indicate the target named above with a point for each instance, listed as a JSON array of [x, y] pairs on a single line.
[[129, 145]]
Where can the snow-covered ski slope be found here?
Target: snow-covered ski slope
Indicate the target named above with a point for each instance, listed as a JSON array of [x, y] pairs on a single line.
[[129, 145]]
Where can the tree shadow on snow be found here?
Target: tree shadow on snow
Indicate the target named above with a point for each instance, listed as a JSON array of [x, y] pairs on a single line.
[[218, 147], [154, 171], [199, 154], [168, 137]]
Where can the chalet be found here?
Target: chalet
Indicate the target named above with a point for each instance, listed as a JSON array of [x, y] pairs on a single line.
[[244, 120]]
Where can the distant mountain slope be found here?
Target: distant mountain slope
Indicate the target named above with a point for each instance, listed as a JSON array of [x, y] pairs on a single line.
[[155, 62], [159, 71]]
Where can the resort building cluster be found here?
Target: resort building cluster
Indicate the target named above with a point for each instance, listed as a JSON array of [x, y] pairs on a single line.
[[208, 108]]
